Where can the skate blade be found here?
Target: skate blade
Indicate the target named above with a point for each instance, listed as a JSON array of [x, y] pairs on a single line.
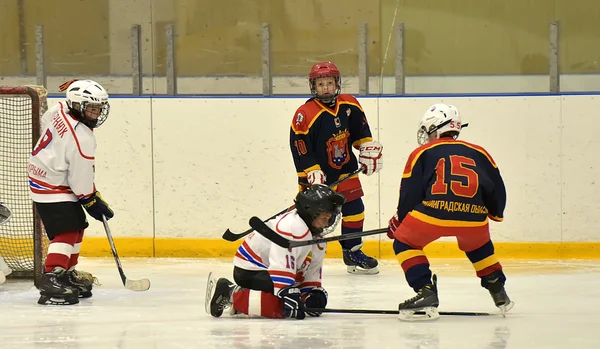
[[506, 308], [354, 269], [430, 314], [210, 291], [47, 300]]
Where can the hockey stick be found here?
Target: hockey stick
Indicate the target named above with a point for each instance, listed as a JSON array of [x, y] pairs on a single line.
[[264, 230], [231, 236], [5, 213], [133, 285], [391, 312]]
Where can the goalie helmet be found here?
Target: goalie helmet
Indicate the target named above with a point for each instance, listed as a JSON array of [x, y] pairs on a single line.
[[439, 119], [316, 199], [325, 70], [84, 94]]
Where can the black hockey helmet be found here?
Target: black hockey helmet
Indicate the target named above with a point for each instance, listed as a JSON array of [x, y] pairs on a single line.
[[316, 199]]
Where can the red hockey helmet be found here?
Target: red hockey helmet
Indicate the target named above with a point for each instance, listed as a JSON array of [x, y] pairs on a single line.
[[324, 70]]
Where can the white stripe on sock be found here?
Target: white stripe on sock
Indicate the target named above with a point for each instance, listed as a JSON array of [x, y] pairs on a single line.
[[254, 303], [76, 248], [60, 248]]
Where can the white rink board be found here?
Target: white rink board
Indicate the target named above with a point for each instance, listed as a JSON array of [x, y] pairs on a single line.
[[192, 167]]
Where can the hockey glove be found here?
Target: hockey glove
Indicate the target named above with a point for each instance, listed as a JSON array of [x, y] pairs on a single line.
[[316, 298], [97, 207], [293, 307], [370, 157], [315, 177], [393, 225]]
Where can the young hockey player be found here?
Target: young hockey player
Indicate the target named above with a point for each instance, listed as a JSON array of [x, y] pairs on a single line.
[[275, 282], [449, 188], [322, 134], [61, 183]]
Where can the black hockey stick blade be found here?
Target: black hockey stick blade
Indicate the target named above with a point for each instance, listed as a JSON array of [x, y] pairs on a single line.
[[264, 230], [391, 312], [228, 235], [133, 285]]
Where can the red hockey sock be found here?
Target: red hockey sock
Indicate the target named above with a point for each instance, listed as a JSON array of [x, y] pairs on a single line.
[[258, 303], [76, 248], [60, 250]]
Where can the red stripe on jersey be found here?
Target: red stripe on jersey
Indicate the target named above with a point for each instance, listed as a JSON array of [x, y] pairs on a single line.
[[289, 234], [282, 273], [74, 135], [47, 185], [50, 191], [251, 252]]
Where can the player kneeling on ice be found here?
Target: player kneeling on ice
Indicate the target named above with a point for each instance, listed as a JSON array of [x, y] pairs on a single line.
[[61, 184], [275, 282], [449, 188]]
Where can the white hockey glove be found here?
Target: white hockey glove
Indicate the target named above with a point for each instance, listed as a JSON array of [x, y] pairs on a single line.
[[293, 307], [316, 177], [370, 157]]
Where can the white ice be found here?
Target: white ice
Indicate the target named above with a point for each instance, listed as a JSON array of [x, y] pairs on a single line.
[[557, 306]]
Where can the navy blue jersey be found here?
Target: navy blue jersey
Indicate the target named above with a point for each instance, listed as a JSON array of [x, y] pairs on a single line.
[[322, 137], [451, 183]]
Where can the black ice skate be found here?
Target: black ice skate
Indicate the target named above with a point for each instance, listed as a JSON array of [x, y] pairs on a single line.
[[426, 301], [498, 293], [358, 262], [56, 289], [82, 281], [219, 295]]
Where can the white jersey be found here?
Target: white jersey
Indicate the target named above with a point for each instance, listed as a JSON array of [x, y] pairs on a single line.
[[61, 166], [299, 266]]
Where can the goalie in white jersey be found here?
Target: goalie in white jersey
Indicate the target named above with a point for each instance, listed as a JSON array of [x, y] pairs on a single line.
[[61, 182], [275, 282]]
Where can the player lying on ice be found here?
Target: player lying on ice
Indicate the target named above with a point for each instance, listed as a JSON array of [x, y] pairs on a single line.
[[448, 188], [274, 282]]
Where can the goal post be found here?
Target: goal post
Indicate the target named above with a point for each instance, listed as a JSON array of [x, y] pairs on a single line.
[[23, 243]]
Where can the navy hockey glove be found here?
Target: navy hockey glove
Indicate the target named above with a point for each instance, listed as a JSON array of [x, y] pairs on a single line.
[[293, 307], [97, 207], [316, 299]]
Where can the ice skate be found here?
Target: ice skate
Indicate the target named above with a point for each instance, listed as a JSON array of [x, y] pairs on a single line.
[[496, 288], [358, 262], [83, 281], [426, 301], [219, 295], [56, 289]]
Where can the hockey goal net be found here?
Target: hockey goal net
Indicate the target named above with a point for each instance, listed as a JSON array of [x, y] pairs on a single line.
[[23, 243]]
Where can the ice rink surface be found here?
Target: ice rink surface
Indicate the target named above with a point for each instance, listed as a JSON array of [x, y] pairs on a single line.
[[556, 306]]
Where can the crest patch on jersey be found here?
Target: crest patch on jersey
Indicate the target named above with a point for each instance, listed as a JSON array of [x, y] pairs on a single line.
[[348, 111], [337, 149], [299, 118]]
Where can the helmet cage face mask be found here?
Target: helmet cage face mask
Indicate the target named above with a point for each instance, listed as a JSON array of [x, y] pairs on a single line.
[[314, 201], [84, 94], [325, 70], [81, 109]]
